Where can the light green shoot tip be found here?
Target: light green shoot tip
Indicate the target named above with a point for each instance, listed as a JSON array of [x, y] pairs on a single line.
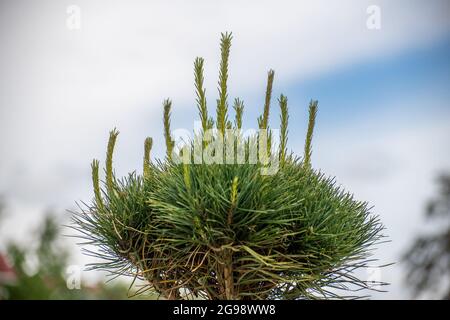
[[109, 161], [309, 134]]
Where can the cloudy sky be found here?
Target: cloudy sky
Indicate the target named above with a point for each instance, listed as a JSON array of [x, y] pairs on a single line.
[[380, 70]]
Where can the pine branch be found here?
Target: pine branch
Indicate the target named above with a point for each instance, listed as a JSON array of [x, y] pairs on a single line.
[[109, 161], [264, 122], [167, 134], [201, 92], [309, 134], [222, 106], [239, 109], [147, 149], [96, 184], [182, 228], [284, 117]]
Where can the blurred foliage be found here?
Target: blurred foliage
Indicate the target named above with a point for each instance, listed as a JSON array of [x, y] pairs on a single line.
[[428, 259], [39, 269]]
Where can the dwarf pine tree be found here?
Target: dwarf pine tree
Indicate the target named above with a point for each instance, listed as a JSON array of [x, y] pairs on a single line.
[[193, 227]]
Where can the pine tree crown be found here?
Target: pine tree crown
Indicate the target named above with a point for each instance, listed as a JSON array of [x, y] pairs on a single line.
[[225, 231]]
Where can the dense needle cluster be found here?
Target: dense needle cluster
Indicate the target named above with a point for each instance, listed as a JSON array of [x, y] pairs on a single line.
[[226, 231]]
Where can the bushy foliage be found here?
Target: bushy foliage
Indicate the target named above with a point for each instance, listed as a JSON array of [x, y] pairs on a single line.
[[227, 231]]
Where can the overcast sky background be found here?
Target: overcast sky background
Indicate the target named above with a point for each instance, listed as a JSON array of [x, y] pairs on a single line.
[[384, 113]]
